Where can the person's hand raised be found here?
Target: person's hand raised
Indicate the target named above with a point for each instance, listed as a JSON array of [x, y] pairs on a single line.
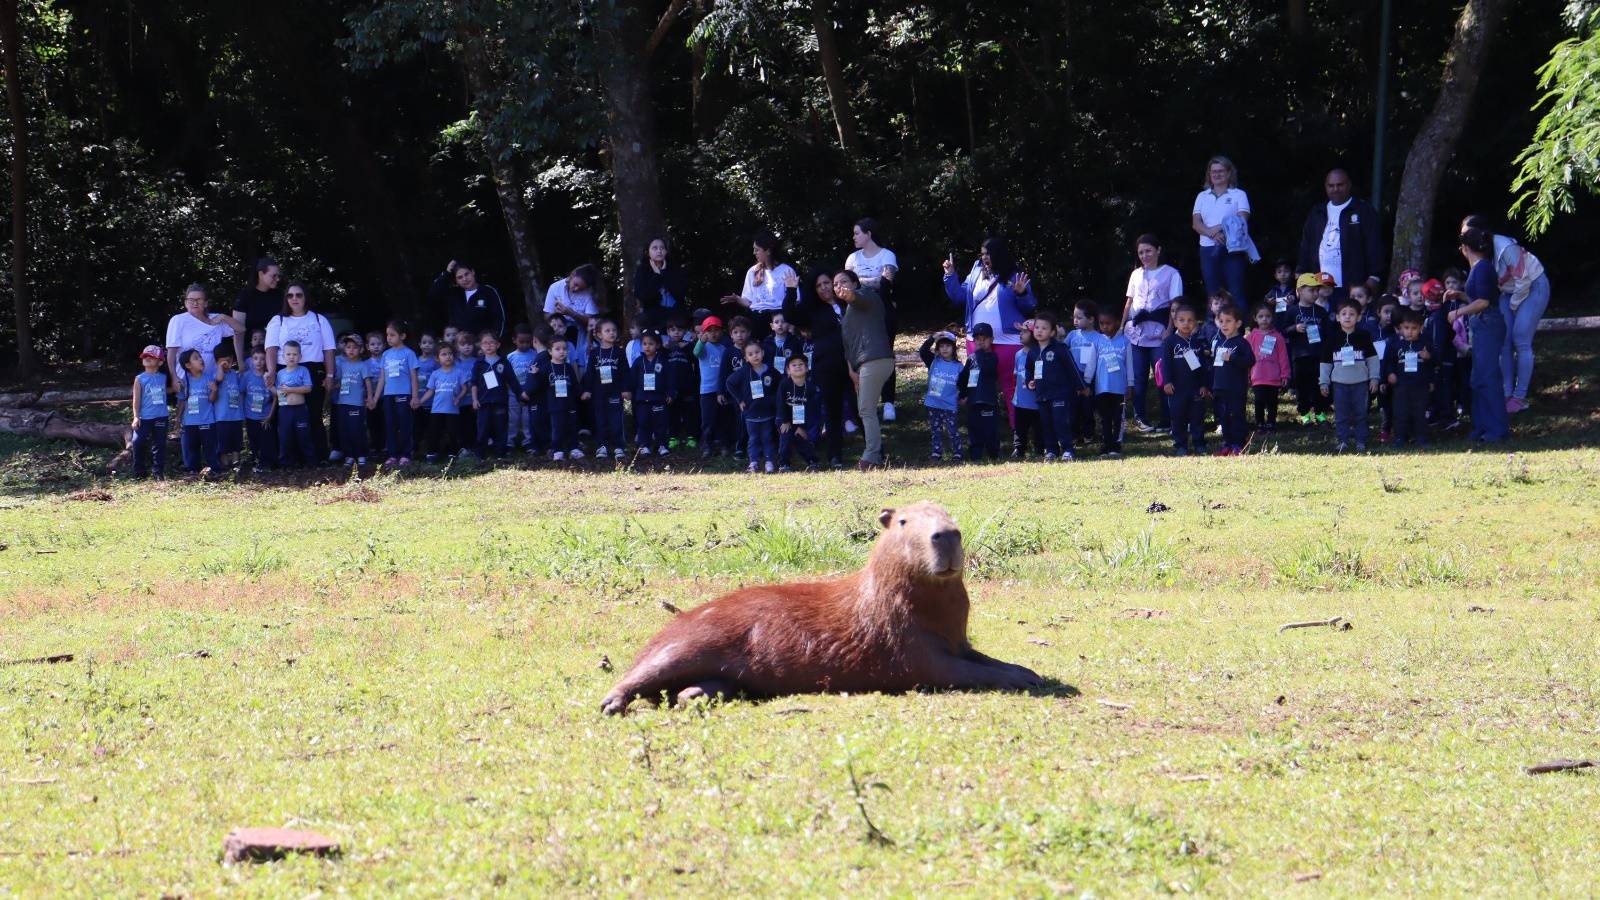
[[791, 280], [1020, 283], [949, 263]]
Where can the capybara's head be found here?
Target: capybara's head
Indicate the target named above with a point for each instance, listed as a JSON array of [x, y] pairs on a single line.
[[922, 539]]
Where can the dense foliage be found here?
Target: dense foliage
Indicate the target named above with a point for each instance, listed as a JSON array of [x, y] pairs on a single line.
[[366, 144]]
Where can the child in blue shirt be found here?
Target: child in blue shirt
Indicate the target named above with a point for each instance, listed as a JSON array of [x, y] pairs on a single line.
[[427, 364], [493, 383], [294, 415], [1083, 341], [259, 404], [605, 387], [710, 352], [353, 379], [1232, 361], [1113, 362], [376, 431], [683, 407], [1186, 368], [400, 394], [754, 386], [978, 387], [229, 407], [150, 416], [1053, 376], [799, 415], [519, 423], [447, 387], [561, 386], [197, 394], [651, 386], [938, 353], [1024, 402]]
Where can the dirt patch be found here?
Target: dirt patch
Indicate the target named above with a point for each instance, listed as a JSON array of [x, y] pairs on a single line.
[[90, 495], [1139, 612]]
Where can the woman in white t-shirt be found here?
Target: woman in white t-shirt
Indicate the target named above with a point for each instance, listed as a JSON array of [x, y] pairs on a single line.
[[197, 329], [578, 299], [877, 266], [1218, 207], [314, 333], [763, 290], [1152, 289]]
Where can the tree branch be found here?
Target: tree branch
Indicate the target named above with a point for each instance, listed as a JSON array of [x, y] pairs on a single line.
[[659, 36]]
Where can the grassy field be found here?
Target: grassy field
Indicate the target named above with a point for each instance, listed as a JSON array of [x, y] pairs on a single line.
[[414, 665]]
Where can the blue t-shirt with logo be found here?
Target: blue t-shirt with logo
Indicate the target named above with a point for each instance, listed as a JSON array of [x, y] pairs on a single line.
[[230, 398], [352, 375], [195, 392], [521, 361], [1111, 369], [426, 366], [942, 389], [299, 376], [257, 397], [398, 364], [445, 384], [152, 395]]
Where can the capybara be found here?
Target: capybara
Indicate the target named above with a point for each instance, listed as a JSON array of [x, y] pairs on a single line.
[[898, 624]]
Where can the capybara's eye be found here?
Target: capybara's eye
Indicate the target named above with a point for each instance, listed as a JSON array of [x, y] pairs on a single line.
[[902, 523]]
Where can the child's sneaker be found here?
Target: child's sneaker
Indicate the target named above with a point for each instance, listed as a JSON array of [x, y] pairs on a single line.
[[1322, 418], [602, 453], [785, 469], [558, 456], [770, 468], [1111, 454], [1340, 447], [1361, 448], [673, 443], [1142, 426], [888, 412], [361, 460], [751, 468], [431, 458], [1383, 437], [1221, 451], [1200, 450], [691, 443], [1066, 456], [1049, 456], [1180, 451], [645, 451], [577, 454], [662, 451], [935, 457], [391, 462], [956, 458], [707, 453], [405, 461], [335, 456], [1515, 405], [812, 467], [850, 426]]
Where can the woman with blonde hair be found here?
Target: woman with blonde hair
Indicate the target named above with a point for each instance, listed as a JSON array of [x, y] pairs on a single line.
[[1221, 216]]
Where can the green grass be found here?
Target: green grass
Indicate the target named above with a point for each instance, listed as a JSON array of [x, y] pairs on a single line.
[[414, 666]]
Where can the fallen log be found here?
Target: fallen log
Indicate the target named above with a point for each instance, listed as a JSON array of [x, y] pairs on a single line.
[[63, 398], [53, 425]]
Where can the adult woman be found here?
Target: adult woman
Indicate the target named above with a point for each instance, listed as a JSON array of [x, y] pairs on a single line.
[[995, 293], [257, 303], [812, 305], [763, 289], [877, 267], [1524, 295], [659, 286], [1489, 420], [1221, 215], [578, 298], [314, 333], [197, 329], [870, 354], [1152, 289]]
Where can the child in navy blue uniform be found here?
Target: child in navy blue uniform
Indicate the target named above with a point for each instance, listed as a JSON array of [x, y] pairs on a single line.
[[651, 384], [150, 416], [710, 352], [1024, 401], [259, 405], [604, 387], [1053, 377], [532, 388], [1439, 334], [780, 346], [1186, 368], [1231, 363], [1082, 341], [493, 380], [739, 333], [1306, 325], [1349, 373], [938, 353], [521, 359], [1281, 295], [400, 394], [356, 395], [1114, 360], [1408, 372], [230, 406], [979, 391], [683, 406], [561, 386], [799, 415], [197, 394], [754, 387], [447, 387], [467, 362], [294, 416]]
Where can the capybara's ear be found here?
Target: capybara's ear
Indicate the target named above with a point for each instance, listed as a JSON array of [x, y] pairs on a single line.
[[885, 516]]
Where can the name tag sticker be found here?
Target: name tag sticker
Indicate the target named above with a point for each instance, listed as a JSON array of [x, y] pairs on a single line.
[[1190, 357], [1314, 333], [393, 367], [1114, 362], [799, 415], [1085, 357], [1347, 356], [489, 381], [649, 381], [1038, 370], [1283, 305], [258, 403], [193, 405], [561, 387], [757, 389], [1411, 360], [605, 374], [1269, 343], [1220, 357], [972, 378]]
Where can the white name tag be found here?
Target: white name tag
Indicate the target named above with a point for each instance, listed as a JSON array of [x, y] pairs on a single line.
[[1347, 356], [757, 389], [1313, 333], [283, 397], [649, 381], [193, 405], [561, 387], [258, 403], [1283, 305], [1219, 358], [972, 378], [605, 374], [808, 359], [1379, 346], [392, 369], [1114, 362], [799, 415], [1411, 360], [489, 381], [1269, 343], [1038, 370], [1190, 357]]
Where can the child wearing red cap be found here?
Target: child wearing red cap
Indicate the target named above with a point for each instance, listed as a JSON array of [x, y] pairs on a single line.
[[150, 416], [709, 352]]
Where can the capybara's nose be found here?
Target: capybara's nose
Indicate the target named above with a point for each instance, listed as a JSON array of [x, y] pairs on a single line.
[[950, 537]]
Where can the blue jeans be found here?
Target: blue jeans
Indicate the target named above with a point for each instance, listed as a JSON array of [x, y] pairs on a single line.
[[1350, 405], [150, 448], [1489, 419], [493, 421], [1144, 362], [1516, 360], [763, 441], [397, 425], [200, 442], [1221, 269]]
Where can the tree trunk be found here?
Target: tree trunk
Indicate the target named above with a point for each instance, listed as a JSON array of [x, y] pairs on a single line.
[[21, 301], [1435, 142], [509, 188], [1299, 22], [833, 74], [41, 423], [377, 218], [631, 140]]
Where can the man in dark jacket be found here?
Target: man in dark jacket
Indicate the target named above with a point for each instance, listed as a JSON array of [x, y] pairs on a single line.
[[470, 306], [1343, 238]]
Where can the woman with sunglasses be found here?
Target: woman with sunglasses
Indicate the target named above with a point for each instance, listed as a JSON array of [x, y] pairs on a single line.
[[314, 333]]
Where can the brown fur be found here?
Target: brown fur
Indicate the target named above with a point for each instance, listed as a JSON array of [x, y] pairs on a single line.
[[898, 624]]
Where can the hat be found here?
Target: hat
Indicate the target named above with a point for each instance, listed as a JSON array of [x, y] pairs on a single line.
[[350, 336], [152, 352], [983, 329], [944, 336], [1326, 280], [710, 322], [1433, 289], [700, 313], [1409, 276], [1308, 279]]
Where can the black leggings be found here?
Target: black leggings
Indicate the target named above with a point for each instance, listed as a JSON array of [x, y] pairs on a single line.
[[1027, 422], [1307, 393], [833, 380], [1266, 405]]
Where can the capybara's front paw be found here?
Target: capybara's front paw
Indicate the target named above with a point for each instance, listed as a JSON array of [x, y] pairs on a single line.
[[614, 705], [1019, 678]]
